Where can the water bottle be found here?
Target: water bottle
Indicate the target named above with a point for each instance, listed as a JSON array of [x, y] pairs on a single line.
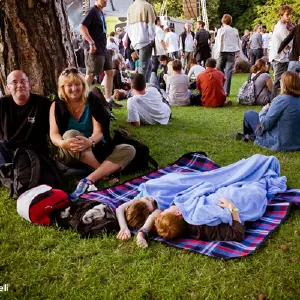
[[80, 189]]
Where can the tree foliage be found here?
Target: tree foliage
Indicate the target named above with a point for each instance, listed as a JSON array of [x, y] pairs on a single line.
[[245, 13]]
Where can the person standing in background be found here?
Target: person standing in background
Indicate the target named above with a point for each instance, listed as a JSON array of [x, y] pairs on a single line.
[[186, 47], [227, 44], [280, 60], [141, 31]]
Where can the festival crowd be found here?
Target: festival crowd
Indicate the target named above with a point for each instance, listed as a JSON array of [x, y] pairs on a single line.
[[155, 68]]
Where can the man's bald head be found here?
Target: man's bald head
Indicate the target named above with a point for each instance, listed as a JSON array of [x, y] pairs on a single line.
[[18, 86], [187, 27]]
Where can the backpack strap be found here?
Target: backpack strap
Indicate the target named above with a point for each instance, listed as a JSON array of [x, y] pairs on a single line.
[[35, 170], [256, 76], [153, 162]]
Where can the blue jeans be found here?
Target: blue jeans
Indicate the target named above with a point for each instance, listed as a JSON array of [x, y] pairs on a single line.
[[279, 69], [251, 121], [155, 63], [294, 66], [173, 55], [255, 55], [225, 63], [145, 61]]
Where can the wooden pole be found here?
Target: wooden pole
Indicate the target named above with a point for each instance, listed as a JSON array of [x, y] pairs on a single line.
[[30, 3]]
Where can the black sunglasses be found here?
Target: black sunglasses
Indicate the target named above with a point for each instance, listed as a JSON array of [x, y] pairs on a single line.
[[67, 71]]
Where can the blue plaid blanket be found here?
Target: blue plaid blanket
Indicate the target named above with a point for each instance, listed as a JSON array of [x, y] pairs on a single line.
[[256, 232]]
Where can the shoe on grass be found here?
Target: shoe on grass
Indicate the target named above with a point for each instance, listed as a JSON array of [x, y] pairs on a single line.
[[239, 137], [228, 103]]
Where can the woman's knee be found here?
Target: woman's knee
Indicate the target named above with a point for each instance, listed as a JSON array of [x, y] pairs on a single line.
[[71, 134], [127, 151], [122, 155], [250, 114]]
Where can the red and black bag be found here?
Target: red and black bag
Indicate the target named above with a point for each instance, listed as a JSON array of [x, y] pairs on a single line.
[[40, 204]]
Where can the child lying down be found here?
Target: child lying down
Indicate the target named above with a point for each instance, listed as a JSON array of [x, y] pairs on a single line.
[[170, 223], [211, 205]]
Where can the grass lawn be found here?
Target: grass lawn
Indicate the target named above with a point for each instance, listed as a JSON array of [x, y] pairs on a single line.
[[45, 263]]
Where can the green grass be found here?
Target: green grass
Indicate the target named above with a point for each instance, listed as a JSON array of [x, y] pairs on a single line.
[[45, 263]]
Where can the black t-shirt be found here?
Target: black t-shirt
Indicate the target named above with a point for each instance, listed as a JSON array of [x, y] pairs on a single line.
[[202, 37], [27, 125], [121, 36], [94, 21]]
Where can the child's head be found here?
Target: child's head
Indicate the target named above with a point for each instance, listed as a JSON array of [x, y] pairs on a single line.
[[134, 56], [138, 211], [177, 66], [193, 61], [170, 223]]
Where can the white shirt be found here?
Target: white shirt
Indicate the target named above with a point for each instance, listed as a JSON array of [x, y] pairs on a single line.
[[173, 41], [195, 70], [265, 39], [188, 44], [148, 109], [227, 40], [279, 34], [159, 36]]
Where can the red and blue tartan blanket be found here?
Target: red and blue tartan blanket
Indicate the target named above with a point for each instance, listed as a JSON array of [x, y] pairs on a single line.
[[256, 232]]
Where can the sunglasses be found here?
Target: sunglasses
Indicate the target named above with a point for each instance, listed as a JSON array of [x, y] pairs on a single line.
[[67, 71]]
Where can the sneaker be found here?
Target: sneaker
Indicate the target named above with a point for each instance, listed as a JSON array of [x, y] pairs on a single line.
[[82, 187], [228, 103], [115, 104], [239, 137]]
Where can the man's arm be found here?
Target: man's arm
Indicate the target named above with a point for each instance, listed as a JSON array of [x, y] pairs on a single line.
[[133, 113], [287, 40]]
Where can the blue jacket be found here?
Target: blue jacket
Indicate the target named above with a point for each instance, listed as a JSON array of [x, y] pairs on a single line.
[[280, 125]]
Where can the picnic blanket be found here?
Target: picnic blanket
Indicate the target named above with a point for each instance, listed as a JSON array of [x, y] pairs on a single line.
[[256, 232], [247, 183]]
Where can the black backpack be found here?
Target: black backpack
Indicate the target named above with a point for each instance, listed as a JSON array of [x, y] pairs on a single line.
[[142, 159], [27, 171]]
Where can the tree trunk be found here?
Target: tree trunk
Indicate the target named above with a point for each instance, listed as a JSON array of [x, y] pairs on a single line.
[[35, 40]]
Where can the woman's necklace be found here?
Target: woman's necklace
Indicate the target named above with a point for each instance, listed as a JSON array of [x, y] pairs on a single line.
[[75, 110]]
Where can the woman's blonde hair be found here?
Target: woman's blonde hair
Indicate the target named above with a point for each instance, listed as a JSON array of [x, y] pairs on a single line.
[[290, 83], [71, 75], [256, 27]]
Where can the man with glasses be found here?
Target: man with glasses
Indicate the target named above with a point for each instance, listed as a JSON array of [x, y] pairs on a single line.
[[24, 118]]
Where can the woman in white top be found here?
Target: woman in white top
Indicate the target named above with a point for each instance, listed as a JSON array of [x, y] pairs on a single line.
[[178, 93]]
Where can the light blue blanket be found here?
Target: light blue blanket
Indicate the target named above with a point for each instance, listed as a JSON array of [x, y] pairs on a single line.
[[247, 183]]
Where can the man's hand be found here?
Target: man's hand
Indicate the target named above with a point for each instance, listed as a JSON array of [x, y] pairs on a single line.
[[225, 203], [93, 49], [124, 234], [140, 240]]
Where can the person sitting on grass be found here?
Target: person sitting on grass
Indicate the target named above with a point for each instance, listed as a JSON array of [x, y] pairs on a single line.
[[119, 82], [167, 70], [135, 58], [79, 127], [277, 126], [178, 93], [195, 69], [210, 84], [147, 106]]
